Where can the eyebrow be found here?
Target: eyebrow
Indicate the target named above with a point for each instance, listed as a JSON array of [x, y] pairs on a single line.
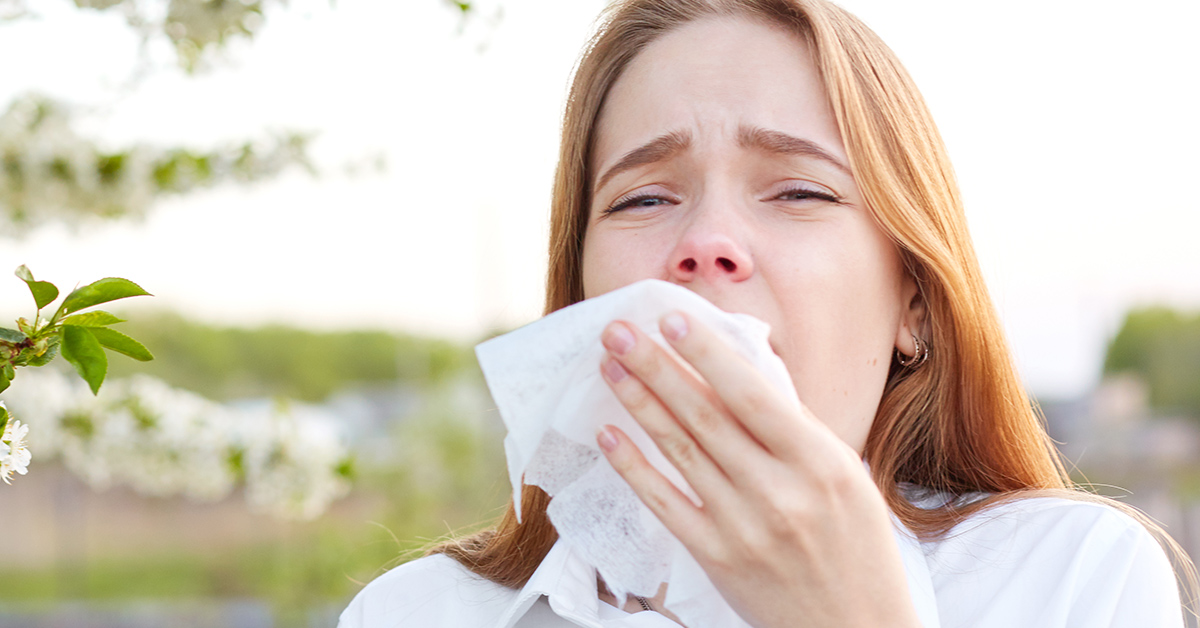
[[781, 143], [668, 145], [658, 149]]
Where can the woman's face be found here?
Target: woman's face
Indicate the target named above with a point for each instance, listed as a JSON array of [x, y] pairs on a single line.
[[719, 167]]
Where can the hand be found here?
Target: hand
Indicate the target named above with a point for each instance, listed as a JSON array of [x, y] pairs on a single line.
[[792, 530]]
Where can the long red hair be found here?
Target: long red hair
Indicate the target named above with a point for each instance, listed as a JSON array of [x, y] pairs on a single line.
[[962, 424]]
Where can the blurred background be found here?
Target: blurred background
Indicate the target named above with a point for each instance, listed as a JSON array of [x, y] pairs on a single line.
[[333, 201]]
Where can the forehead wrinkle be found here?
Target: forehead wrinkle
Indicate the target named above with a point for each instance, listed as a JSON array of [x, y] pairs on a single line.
[[778, 142], [658, 149]]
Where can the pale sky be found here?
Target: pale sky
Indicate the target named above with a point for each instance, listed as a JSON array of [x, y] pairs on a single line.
[[1073, 129]]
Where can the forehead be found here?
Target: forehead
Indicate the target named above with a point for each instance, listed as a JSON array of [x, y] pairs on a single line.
[[710, 78]]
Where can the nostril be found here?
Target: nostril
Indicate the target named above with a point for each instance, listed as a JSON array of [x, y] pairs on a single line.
[[727, 264], [688, 264]]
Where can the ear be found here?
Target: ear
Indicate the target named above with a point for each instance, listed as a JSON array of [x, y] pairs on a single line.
[[912, 316]]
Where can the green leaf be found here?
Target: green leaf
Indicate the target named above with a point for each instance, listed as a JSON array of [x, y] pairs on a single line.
[[6, 376], [102, 291], [110, 167], [44, 292], [237, 462], [345, 469], [98, 318], [50, 354], [3, 418], [12, 336], [121, 343], [83, 351]]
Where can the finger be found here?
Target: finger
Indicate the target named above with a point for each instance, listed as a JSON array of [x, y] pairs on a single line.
[[674, 509], [679, 410], [774, 421], [680, 449]]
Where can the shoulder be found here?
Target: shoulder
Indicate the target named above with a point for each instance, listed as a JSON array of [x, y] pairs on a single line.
[[1058, 528], [1056, 562], [431, 591], [1029, 520]]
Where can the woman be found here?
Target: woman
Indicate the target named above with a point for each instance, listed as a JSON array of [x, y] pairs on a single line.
[[774, 157]]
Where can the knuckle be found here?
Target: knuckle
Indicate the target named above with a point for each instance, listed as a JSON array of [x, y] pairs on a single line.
[[782, 521], [757, 403], [719, 560], [638, 400], [756, 546], [833, 480], [659, 433], [682, 450], [657, 503], [706, 422], [649, 362], [777, 522]]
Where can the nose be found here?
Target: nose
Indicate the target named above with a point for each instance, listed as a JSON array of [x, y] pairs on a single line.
[[710, 251]]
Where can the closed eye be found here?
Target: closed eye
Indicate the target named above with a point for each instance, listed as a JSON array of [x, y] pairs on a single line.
[[801, 194], [646, 199], [635, 200]]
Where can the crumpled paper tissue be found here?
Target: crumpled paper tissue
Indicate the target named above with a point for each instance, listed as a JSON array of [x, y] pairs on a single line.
[[545, 379]]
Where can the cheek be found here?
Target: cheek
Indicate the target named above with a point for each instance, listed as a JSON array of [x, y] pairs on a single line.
[[841, 271], [841, 311], [855, 272], [614, 258]]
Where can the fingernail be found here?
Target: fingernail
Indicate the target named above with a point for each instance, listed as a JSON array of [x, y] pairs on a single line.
[[618, 339], [674, 326], [607, 441], [613, 370]]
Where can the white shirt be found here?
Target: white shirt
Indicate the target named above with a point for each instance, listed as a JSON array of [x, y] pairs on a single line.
[[1034, 563]]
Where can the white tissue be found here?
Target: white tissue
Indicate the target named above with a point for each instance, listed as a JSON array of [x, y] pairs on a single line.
[[545, 380]]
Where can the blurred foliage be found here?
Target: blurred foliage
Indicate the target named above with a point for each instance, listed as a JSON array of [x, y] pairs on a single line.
[[48, 172], [225, 363], [191, 27], [448, 475], [1162, 347]]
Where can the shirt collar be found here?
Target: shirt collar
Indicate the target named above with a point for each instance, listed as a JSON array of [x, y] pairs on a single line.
[[570, 584], [567, 580]]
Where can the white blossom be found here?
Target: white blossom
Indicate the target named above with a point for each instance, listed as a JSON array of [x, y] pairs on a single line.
[[289, 462], [15, 455], [164, 441], [4, 450]]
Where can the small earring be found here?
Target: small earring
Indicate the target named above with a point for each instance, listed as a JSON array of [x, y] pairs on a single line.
[[920, 355]]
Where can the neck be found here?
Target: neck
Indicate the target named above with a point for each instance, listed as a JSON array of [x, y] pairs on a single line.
[[632, 605]]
